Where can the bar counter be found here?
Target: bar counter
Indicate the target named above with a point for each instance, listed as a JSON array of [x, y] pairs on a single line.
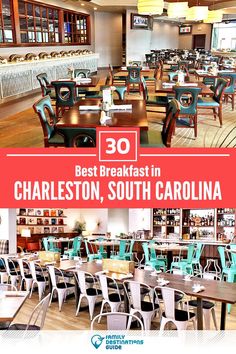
[[18, 78]]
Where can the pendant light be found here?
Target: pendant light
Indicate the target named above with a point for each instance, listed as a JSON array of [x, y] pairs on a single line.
[[197, 13], [214, 16], [150, 7], [177, 9]]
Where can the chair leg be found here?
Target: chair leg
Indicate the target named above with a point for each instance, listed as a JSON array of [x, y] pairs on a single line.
[[195, 126], [32, 288], [207, 318], [220, 114], [79, 303], [214, 318], [164, 321], [233, 97], [91, 302], [101, 311], [147, 319]]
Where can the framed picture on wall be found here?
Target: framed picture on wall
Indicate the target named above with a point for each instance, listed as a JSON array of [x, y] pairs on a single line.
[[185, 29], [141, 22]]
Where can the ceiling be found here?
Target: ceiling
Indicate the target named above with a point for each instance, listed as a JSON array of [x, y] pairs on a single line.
[[119, 6]]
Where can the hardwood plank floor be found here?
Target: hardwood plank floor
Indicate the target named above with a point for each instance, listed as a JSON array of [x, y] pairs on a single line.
[[66, 319]]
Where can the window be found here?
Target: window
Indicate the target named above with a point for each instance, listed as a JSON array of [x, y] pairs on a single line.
[[38, 24], [76, 28], [223, 36], [6, 22]]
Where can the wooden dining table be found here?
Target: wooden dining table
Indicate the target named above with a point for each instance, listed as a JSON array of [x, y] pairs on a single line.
[[11, 303], [168, 89], [220, 291], [75, 121], [169, 249], [81, 83]]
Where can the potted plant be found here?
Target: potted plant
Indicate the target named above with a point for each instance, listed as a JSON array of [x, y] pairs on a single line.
[[79, 227]]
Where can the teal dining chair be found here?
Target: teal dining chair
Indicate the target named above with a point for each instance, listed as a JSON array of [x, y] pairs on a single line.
[[163, 139], [227, 271], [196, 262], [119, 90], [81, 73], [45, 243], [91, 255], [214, 103], [43, 108], [229, 92], [65, 95], [128, 255], [52, 247], [134, 78], [153, 100], [101, 248], [75, 250], [44, 85], [154, 256], [187, 98], [121, 252], [153, 262], [185, 264]]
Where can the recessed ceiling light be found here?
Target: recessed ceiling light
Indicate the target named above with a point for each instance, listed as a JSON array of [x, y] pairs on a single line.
[[95, 8], [82, 4]]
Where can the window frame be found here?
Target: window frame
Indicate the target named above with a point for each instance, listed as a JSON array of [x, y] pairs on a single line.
[[61, 14]]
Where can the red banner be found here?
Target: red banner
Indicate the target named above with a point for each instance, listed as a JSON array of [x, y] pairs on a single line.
[[117, 173]]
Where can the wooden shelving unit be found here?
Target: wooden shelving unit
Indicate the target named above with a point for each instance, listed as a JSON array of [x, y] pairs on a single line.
[[41, 221]]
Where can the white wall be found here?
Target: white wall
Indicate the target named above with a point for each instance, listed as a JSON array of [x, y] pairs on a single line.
[[139, 42], [96, 219], [8, 227], [118, 221], [5, 52], [164, 36], [139, 219], [108, 38]]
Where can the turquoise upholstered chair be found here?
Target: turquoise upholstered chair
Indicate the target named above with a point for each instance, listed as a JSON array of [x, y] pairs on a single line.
[[116, 78], [119, 90], [65, 95], [134, 78], [44, 85], [90, 254], [173, 75], [214, 103], [228, 271], [153, 262], [151, 100], [229, 91], [187, 98], [186, 264], [81, 73], [51, 137], [73, 252], [163, 138], [209, 81]]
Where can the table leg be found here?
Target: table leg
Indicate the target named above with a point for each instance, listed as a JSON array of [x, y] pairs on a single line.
[[169, 259], [109, 251], [223, 316], [199, 314]]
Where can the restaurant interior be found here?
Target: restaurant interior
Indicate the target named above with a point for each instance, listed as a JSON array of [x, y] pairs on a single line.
[[67, 67], [117, 269]]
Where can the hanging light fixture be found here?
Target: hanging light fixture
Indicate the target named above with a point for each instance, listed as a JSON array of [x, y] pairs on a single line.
[[150, 7], [214, 16], [197, 13], [177, 9]]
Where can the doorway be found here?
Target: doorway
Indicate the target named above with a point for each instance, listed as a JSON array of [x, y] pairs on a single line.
[[199, 41]]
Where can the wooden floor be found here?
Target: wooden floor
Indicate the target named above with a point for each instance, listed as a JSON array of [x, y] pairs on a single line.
[[20, 126], [66, 319]]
